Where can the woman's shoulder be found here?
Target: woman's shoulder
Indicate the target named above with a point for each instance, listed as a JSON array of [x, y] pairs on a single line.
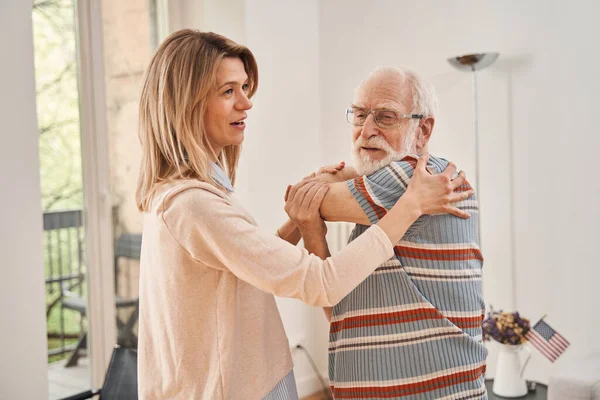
[[187, 193]]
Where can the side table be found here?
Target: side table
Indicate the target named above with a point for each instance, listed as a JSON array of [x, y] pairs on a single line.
[[541, 392]]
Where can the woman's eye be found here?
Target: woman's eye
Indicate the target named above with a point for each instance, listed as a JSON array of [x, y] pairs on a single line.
[[246, 88], [228, 91]]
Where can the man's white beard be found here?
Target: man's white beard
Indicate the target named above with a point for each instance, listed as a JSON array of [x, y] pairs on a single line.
[[365, 165]]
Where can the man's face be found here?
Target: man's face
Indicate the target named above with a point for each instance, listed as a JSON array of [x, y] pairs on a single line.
[[375, 147]]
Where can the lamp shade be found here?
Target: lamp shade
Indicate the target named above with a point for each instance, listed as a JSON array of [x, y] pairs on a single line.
[[473, 62]]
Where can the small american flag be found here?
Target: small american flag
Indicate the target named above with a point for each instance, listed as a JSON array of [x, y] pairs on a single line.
[[549, 342]]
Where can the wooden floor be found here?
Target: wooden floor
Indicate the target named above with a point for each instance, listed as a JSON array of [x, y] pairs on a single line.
[[64, 382], [317, 396]]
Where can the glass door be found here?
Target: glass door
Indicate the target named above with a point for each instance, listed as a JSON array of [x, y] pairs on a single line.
[[61, 169], [90, 57]]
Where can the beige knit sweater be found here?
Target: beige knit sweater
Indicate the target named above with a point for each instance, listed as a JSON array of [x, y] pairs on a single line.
[[209, 327]]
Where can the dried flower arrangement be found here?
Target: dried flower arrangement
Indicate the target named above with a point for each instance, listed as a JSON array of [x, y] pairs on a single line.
[[505, 327]]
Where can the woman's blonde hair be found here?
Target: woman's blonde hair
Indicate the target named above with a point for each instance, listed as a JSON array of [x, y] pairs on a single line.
[[177, 83]]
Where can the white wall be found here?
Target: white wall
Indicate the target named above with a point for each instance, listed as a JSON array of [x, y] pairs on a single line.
[[22, 320], [540, 98], [221, 16]]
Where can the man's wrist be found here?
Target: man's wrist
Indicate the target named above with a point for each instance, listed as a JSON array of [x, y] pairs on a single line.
[[316, 244], [312, 233]]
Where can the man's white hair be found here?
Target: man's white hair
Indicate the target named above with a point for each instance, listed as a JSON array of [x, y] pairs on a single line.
[[424, 99]]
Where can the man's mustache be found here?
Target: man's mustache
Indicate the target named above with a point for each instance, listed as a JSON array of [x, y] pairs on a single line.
[[372, 144]]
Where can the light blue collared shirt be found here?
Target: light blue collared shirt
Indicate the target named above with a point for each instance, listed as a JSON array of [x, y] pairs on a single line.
[[221, 177]]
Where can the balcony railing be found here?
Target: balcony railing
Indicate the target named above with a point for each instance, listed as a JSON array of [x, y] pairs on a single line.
[[64, 256], [66, 284]]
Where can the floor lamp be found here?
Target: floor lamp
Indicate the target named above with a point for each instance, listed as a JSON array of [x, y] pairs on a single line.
[[473, 63]]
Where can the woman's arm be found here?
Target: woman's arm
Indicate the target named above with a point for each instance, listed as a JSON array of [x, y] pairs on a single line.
[[317, 245], [218, 235]]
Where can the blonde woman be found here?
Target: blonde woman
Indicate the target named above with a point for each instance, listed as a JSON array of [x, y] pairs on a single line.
[[209, 327]]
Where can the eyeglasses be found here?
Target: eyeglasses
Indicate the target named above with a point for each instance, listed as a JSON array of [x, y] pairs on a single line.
[[383, 118]]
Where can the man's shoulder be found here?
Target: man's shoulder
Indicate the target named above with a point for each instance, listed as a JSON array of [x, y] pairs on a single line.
[[410, 161], [408, 164]]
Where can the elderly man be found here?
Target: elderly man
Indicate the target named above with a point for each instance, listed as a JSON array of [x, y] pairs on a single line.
[[412, 330]]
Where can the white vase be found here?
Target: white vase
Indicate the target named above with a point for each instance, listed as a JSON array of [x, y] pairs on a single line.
[[509, 381]]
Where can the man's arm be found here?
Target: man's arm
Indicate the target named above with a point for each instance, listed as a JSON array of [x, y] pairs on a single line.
[[289, 232], [339, 205], [366, 199]]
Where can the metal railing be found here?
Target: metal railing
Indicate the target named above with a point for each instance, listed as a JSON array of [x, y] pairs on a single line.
[[65, 273]]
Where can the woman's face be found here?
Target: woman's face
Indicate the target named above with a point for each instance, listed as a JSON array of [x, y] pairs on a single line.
[[227, 105]]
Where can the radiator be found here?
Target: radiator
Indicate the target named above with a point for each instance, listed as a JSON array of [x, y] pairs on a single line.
[[337, 235]]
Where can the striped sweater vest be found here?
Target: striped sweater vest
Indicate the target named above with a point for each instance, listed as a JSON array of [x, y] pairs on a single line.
[[412, 330]]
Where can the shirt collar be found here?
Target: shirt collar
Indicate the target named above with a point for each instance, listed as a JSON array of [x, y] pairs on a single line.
[[221, 177]]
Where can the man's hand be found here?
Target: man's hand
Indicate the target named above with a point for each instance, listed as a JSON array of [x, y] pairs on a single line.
[[303, 201]]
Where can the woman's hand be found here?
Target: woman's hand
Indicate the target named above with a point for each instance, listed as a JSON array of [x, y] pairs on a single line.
[[434, 194], [336, 173], [302, 206]]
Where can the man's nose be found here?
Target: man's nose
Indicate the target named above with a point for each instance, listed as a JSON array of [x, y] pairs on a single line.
[[370, 128]]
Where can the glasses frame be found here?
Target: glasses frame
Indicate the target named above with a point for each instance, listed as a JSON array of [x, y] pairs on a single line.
[[350, 110]]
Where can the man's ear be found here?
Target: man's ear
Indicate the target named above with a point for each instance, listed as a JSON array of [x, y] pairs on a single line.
[[424, 133]]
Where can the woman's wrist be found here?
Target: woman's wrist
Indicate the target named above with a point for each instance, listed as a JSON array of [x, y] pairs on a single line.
[[397, 221], [409, 205]]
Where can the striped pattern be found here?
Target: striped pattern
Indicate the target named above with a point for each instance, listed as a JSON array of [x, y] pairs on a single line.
[[397, 339], [412, 330], [443, 274], [406, 387], [284, 390]]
